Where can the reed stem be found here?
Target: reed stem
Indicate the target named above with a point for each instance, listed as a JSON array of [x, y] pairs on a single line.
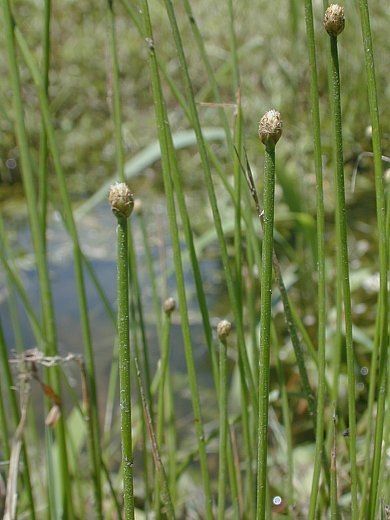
[[270, 129], [223, 331], [163, 131], [343, 248], [321, 289], [121, 201], [381, 341], [265, 323], [39, 249]]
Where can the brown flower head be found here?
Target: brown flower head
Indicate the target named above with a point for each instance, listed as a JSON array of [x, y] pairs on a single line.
[[270, 127], [224, 328], [169, 306], [121, 200], [334, 21]]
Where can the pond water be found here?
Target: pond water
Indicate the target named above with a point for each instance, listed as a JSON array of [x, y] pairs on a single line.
[[97, 236]]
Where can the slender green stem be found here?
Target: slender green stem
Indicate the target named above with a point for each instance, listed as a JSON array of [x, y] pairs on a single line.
[[381, 343], [235, 476], [344, 274], [286, 422], [78, 264], [43, 149], [133, 273], [163, 132], [151, 271], [4, 429], [134, 340], [39, 246], [334, 510], [210, 72], [165, 495], [316, 128], [171, 438], [265, 328], [164, 371], [244, 361], [238, 256], [223, 429], [124, 369], [179, 192]]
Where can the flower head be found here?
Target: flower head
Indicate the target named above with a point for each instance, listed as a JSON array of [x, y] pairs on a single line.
[[334, 21], [169, 306], [270, 127], [121, 200], [224, 328]]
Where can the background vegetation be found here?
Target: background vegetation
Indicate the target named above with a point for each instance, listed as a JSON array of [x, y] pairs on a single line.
[[263, 48]]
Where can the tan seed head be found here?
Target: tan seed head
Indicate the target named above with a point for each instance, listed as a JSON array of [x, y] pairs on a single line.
[[334, 21], [121, 200], [270, 127], [169, 306], [224, 328]]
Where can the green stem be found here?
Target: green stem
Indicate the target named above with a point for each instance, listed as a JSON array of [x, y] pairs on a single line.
[[163, 133], [381, 343], [151, 272], [43, 155], [223, 429], [165, 494], [140, 315], [78, 264], [286, 422], [124, 369], [134, 340], [39, 246], [265, 328], [164, 370], [316, 128], [188, 234], [243, 355], [334, 510], [344, 274]]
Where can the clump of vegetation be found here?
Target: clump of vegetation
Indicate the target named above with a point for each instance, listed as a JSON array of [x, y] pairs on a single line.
[[282, 408]]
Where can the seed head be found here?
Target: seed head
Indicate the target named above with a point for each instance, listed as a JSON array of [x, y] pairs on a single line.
[[270, 127], [121, 200], [224, 328], [169, 306], [334, 21]]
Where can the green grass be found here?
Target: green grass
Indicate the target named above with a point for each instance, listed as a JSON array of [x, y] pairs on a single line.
[[288, 415]]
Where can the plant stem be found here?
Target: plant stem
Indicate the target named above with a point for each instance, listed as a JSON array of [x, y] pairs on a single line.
[[78, 265], [165, 495], [265, 327], [344, 274], [163, 133], [381, 343], [334, 510], [43, 155], [286, 421], [124, 369], [164, 371], [316, 128], [243, 357], [223, 429], [39, 247]]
